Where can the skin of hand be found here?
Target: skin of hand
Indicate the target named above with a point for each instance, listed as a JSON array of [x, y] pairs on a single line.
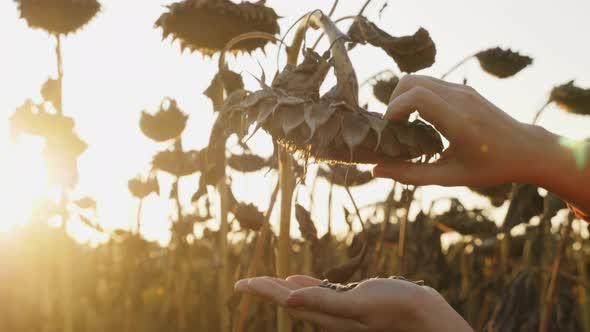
[[379, 305], [486, 145]]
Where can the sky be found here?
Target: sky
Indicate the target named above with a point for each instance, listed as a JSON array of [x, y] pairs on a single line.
[[118, 66]]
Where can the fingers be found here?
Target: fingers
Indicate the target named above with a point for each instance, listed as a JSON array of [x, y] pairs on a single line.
[[269, 289], [324, 300], [430, 106], [408, 82], [449, 173], [304, 281], [329, 322]]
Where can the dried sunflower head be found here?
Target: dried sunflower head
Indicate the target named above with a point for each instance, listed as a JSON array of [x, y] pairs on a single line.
[[383, 88], [502, 63], [177, 163], [141, 188], [58, 16], [207, 25], [328, 128], [571, 98], [411, 53], [166, 124]]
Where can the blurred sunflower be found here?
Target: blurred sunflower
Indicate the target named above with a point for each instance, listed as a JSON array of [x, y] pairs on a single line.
[[164, 125], [207, 25], [58, 16], [142, 188], [177, 163]]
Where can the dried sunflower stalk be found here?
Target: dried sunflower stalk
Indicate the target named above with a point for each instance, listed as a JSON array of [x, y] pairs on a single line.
[[411, 53], [571, 98], [58, 16], [306, 224], [502, 63], [207, 25]]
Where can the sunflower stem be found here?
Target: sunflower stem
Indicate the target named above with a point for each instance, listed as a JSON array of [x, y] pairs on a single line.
[[540, 111], [259, 250], [287, 184], [459, 64]]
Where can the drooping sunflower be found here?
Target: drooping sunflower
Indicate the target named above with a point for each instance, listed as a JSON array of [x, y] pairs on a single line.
[[58, 16], [207, 25], [327, 128], [164, 125]]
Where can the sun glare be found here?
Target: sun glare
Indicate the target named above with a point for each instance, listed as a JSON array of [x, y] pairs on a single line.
[[24, 179]]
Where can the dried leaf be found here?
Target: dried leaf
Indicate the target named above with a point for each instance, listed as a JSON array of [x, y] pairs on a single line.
[[316, 115], [306, 224], [354, 130], [247, 162], [51, 92], [502, 63], [248, 216], [571, 98], [411, 53], [86, 203], [177, 163], [224, 80]]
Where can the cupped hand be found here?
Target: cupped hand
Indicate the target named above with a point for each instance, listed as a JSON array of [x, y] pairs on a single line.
[[374, 305], [486, 145]]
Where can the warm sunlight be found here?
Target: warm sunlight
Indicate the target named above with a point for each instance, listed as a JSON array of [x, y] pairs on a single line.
[[159, 158]]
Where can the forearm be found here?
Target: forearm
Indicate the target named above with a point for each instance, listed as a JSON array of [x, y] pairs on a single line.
[[562, 167]]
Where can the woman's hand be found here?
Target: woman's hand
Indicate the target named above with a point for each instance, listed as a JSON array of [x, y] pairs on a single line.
[[487, 146], [374, 305]]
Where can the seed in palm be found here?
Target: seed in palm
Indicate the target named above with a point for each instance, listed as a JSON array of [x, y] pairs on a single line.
[[328, 128], [411, 53], [58, 16], [383, 88], [338, 287], [207, 25], [166, 124], [502, 63], [571, 98]]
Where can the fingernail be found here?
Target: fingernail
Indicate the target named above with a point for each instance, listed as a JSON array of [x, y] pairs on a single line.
[[241, 285]]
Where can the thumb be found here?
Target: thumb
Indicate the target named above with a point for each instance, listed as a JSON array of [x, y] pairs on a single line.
[[447, 173]]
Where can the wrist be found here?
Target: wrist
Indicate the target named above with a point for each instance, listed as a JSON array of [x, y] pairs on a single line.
[[543, 157]]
